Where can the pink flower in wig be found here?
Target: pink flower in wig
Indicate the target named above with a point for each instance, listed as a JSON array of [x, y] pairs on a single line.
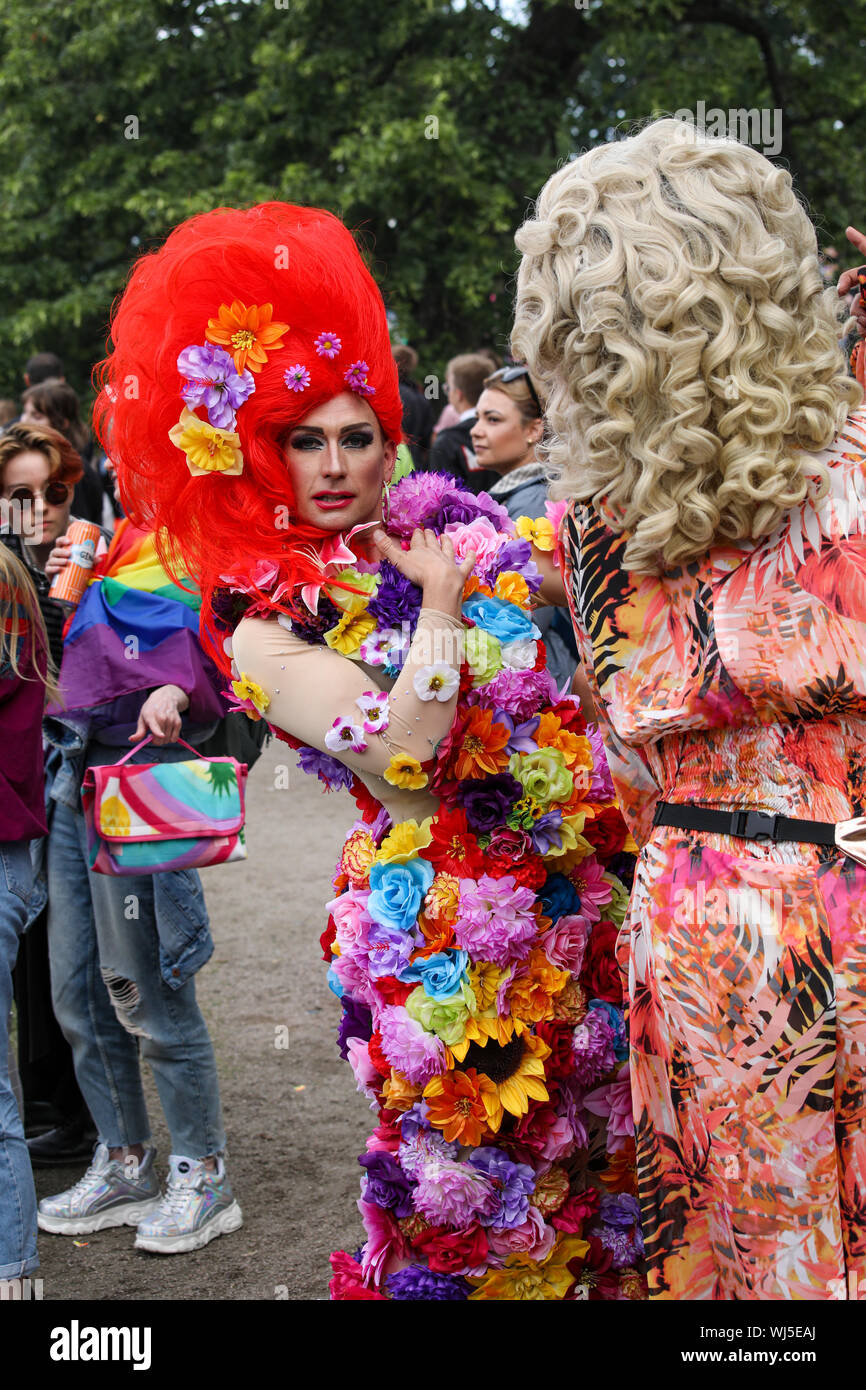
[[613, 1103], [565, 942], [410, 1049]]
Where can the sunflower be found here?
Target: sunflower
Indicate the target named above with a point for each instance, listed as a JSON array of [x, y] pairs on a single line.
[[248, 333], [513, 1073], [458, 1103]]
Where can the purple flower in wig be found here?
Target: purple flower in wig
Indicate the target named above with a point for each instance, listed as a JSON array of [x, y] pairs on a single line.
[[297, 378], [454, 1194], [419, 1282], [328, 345], [396, 599], [593, 1046], [212, 381], [514, 1183], [386, 1185], [389, 950], [495, 920], [488, 800], [355, 378], [329, 770], [410, 1049], [545, 832], [357, 1022], [416, 499]]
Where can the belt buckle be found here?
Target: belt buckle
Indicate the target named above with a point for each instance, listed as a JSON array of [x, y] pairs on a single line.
[[756, 825]]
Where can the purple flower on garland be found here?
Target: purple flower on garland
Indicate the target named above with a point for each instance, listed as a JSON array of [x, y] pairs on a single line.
[[313, 627], [389, 950], [521, 736], [297, 378], [415, 500], [513, 555], [396, 599], [463, 507], [357, 1022], [386, 1185], [328, 345], [519, 692], [453, 1194], [421, 1145], [355, 378], [488, 800], [212, 381], [545, 832], [593, 1047], [619, 1209], [329, 770], [419, 1282], [514, 1184]]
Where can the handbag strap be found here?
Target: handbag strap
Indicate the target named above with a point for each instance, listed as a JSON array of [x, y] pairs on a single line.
[[149, 739]]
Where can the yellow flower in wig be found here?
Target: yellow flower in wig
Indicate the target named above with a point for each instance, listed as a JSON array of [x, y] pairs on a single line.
[[350, 632], [207, 449], [525, 1280], [539, 532], [406, 772], [405, 841], [245, 689]]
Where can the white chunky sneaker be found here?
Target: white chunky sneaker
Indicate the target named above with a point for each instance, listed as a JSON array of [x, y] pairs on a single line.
[[197, 1207], [113, 1192]]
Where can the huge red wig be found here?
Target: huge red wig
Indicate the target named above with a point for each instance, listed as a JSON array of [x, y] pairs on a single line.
[[306, 265]]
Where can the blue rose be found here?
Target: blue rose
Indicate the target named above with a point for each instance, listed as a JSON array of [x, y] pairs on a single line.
[[398, 891], [504, 620], [559, 896], [440, 974], [334, 983]]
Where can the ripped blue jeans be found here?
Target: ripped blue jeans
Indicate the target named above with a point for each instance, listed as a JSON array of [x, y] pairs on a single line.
[[123, 953]]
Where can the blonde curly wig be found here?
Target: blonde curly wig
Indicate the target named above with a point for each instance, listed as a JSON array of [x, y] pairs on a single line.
[[670, 305]]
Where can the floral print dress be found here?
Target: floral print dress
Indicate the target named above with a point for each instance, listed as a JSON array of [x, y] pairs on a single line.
[[738, 680]]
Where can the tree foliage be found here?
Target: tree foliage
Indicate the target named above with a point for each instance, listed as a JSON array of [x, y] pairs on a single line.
[[428, 125]]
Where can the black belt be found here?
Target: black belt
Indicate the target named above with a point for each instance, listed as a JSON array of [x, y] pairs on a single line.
[[745, 825]]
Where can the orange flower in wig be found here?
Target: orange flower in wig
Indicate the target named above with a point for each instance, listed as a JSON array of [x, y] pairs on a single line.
[[247, 333]]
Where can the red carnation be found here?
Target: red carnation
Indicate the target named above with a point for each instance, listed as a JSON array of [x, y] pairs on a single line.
[[576, 1211], [377, 1056], [570, 716], [393, 991], [509, 853], [600, 976], [450, 1252]]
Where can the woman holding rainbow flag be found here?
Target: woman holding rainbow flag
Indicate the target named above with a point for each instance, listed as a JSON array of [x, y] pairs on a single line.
[[124, 950]]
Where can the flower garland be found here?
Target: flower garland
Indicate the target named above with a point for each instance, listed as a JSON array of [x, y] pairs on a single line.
[[473, 953]]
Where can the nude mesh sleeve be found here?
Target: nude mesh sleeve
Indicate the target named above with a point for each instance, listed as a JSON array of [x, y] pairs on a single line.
[[309, 687]]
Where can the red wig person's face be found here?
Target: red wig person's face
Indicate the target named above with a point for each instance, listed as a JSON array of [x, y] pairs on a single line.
[[338, 462]]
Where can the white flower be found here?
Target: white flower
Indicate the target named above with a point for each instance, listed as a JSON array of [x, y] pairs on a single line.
[[519, 656], [374, 707], [437, 682], [344, 734]]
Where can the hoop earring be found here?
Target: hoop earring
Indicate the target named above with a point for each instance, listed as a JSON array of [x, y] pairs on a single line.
[[386, 505]]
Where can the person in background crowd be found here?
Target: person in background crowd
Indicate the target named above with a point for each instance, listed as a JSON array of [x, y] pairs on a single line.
[[452, 450], [43, 366], [417, 410], [124, 990], [54, 403], [38, 472], [8, 412], [25, 670], [506, 435]]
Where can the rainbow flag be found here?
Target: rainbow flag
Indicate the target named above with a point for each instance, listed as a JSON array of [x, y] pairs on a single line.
[[134, 629]]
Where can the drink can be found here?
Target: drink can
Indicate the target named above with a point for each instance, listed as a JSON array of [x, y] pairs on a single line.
[[69, 585]]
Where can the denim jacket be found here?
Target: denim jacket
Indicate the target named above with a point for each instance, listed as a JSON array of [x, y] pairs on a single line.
[[182, 924]]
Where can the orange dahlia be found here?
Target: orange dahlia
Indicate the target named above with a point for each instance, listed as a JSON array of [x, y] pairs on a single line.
[[455, 1104], [531, 993], [248, 333], [575, 748], [478, 749]]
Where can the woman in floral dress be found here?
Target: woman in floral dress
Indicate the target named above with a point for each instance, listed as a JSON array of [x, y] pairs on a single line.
[[478, 895], [714, 449]]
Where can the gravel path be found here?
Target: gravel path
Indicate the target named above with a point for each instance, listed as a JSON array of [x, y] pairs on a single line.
[[295, 1123]]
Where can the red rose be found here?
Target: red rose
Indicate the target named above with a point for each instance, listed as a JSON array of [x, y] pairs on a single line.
[[600, 976], [558, 1037], [393, 991], [377, 1056], [607, 832], [347, 1284], [509, 852], [529, 1134], [576, 1211], [327, 939], [450, 1252], [570, 716]]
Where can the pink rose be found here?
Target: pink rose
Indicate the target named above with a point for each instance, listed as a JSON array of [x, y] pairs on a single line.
[[558, 1139], [367, 1078], [533, 1237], [479, 535], [565, 942], [349, 913]]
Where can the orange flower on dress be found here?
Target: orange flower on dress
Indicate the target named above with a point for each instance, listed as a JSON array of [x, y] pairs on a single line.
[[473, 585], [512, 588], [531, 993], [455, 1104], [438, 936], [478, 750], [575, 748], [248, 333]]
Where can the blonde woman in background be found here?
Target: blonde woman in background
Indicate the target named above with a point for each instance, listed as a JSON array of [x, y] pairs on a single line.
[[671, 308]]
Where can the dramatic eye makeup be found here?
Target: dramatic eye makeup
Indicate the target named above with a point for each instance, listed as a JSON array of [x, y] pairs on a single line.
[[353, 437]]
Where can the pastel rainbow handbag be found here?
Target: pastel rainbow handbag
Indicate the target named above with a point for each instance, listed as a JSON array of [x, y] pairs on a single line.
[[148, 818]]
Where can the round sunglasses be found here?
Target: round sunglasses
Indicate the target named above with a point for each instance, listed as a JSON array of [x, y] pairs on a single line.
[[54, 494]]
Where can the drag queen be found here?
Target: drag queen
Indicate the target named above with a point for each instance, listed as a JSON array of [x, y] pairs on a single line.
[[251, 404], [671, 304]]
